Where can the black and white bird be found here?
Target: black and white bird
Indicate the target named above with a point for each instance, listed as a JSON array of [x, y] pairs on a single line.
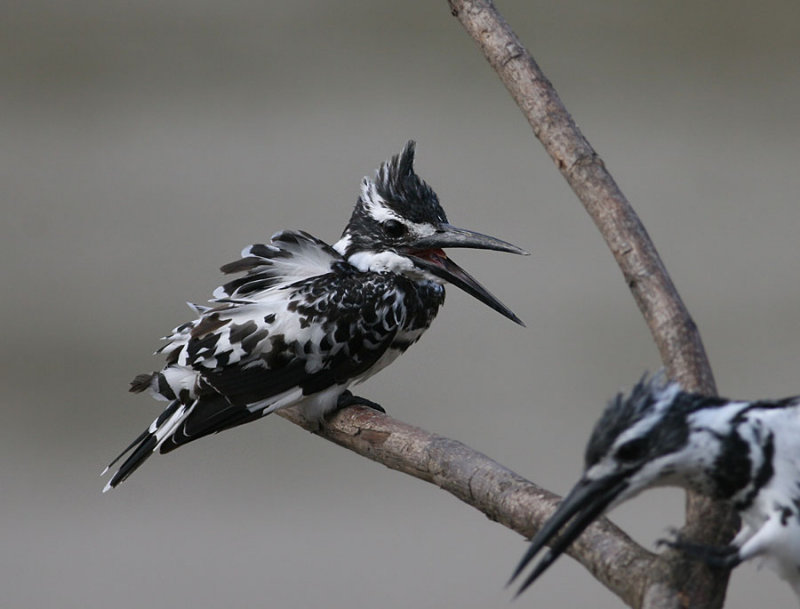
[[307, 320], [746, 453]]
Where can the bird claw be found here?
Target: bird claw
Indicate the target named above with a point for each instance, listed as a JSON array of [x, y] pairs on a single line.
[[718, 557], [348, 399]]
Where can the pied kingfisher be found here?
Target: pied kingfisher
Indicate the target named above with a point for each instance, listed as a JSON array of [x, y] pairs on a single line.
[[308, 319], [746, 453]]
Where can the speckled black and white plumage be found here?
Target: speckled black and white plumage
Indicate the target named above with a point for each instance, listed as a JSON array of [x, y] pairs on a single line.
[[743, 452], [306, 319]]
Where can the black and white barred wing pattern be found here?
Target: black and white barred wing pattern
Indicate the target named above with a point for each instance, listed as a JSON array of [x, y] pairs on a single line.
[[287, 331], [768, 500], [248, 310], [291, 256]]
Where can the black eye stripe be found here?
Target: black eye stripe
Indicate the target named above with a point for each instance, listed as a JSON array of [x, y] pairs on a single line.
[[633, 450], [394, 229]]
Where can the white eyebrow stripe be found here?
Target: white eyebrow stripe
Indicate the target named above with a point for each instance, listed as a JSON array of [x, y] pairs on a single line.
[[382, 213], [377, 209], [375, 204]]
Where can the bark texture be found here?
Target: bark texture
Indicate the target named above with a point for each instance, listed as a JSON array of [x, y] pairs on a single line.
[[504, 496], [677, 584]]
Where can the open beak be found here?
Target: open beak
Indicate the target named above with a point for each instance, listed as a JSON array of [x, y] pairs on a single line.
[[585, 502], [427, 253]]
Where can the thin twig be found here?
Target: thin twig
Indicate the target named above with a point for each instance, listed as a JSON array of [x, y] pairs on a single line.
[[477, 480], [673, 329]]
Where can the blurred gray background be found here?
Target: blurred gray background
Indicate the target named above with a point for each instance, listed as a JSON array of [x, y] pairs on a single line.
[[142, 145]]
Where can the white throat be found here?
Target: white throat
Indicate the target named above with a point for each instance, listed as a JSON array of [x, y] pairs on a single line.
[[389, 262]]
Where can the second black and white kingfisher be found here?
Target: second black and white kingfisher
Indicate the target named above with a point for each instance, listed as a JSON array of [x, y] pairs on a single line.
[[746, 453], [309, 319]]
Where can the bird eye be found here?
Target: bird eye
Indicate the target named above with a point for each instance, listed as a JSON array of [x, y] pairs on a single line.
[[394, 229], [632, 450]]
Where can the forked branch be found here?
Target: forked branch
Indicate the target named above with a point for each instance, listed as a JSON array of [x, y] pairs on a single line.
[[638, 577], [672, 328]]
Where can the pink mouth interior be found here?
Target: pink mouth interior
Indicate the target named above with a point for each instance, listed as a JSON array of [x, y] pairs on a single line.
[[434, 255]]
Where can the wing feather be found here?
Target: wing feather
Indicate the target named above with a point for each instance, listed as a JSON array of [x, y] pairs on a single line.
[[290, 256]]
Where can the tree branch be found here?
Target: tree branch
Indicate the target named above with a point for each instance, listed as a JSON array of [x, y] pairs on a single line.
[[504, 496], [673, 329]]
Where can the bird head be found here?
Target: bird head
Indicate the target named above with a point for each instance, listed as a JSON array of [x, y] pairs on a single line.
[[655, 436], [398, 226]]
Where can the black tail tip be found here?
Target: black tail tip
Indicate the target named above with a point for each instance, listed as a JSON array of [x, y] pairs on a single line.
[[142, 382]]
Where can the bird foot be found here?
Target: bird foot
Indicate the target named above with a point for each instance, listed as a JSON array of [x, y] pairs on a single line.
[[718, 557], [348, 399]]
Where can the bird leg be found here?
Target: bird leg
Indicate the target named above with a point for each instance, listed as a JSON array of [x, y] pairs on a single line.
[[348, 399], [718, 557]]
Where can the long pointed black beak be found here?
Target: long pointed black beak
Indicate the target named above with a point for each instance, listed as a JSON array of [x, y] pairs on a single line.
[[585, 502], [448, 235], [427, 253]]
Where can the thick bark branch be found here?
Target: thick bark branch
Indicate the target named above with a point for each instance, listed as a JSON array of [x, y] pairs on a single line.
[[505, 497], [673, 330]]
